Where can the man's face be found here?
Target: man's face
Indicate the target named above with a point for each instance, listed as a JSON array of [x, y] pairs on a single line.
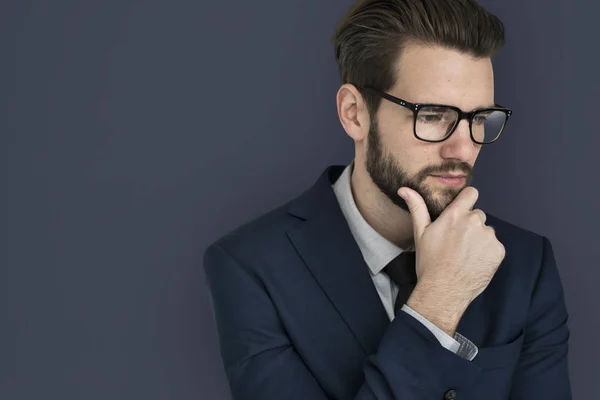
[[396, 158]]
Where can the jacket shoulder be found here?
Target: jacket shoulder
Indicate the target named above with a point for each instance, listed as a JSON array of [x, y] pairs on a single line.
[[262, 232], [511, 234]]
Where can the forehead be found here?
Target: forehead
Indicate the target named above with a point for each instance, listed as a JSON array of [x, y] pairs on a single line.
[[432, 74]]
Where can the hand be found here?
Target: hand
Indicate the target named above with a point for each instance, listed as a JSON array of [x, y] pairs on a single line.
[[457, 255]]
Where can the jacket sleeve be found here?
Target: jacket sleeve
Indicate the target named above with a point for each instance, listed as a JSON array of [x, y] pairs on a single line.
[[261, 362], [542, 371]]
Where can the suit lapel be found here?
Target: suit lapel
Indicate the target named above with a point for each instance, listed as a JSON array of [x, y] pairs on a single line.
[[327, 247]]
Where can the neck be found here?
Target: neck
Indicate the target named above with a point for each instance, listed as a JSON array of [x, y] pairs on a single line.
[[389, 220]]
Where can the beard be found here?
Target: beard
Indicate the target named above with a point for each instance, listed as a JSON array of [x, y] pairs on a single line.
[[389, 176]]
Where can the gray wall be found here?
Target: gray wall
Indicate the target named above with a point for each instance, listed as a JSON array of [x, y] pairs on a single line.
[[134, 133]]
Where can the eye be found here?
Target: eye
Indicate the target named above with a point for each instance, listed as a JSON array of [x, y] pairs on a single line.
[[429, 118], [480, 118]]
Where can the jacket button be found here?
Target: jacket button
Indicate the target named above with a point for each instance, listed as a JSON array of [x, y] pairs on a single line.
[[450, 395]]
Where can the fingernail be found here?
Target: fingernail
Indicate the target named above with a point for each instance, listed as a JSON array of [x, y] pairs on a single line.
[[402, 193]]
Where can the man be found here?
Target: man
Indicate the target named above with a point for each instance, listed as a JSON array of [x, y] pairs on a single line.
[[382, 281]]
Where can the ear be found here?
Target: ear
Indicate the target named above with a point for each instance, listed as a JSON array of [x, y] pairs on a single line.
[[352, 111]]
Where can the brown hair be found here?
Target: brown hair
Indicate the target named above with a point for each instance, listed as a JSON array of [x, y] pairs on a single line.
[[370, 37]]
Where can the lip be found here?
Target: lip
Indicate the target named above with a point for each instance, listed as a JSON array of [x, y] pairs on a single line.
[[450, 180], [449, 176]]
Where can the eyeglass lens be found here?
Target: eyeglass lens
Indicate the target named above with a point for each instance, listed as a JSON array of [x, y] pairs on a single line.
[[435, 123]]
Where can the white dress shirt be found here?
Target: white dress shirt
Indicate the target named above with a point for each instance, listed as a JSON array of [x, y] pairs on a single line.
[[377, 252]]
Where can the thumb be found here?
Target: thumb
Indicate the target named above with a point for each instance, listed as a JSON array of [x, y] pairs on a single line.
[[418, 210]]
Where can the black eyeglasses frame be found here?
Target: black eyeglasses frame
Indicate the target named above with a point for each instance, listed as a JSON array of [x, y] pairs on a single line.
[[461, 114]]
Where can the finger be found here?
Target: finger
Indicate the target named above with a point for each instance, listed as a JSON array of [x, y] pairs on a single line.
[[481, 214], [418, 211], [465, 200]]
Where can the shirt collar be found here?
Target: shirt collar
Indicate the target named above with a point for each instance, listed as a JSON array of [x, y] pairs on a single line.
[[376, 250]]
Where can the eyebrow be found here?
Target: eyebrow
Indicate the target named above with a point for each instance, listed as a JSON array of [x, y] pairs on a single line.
[[495, 105]]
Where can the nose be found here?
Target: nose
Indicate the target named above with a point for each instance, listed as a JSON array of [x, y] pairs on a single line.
[[462, 128], [459, 145]]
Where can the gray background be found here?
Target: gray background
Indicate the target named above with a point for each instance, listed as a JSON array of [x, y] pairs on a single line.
[[135, 133]]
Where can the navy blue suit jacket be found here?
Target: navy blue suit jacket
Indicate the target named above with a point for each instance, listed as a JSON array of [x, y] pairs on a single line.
[[298, 316]]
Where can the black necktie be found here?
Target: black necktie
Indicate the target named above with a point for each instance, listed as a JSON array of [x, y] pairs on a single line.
[[402, 271]]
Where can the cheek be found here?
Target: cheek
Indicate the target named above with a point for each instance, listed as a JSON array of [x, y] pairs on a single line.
[[397, 122], [397, 138], [417, 158], [397, 135]]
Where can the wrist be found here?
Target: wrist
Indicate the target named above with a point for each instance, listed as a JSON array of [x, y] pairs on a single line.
[[437, 307]]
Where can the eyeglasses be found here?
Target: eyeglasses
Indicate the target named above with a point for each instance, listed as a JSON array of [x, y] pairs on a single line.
[[436, 122]]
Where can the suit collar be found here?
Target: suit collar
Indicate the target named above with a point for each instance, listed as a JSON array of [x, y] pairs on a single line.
[[376, 249], [325, 243], [319, 195]]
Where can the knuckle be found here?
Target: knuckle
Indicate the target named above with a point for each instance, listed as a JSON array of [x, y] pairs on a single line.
[[474, 218], [483, 215], [480, 214], [501, 249]]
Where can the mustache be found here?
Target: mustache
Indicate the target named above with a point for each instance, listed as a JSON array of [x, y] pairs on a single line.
[[461, 168]]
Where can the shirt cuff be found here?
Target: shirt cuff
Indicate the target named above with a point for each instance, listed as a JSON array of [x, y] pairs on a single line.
[[459, 345]]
